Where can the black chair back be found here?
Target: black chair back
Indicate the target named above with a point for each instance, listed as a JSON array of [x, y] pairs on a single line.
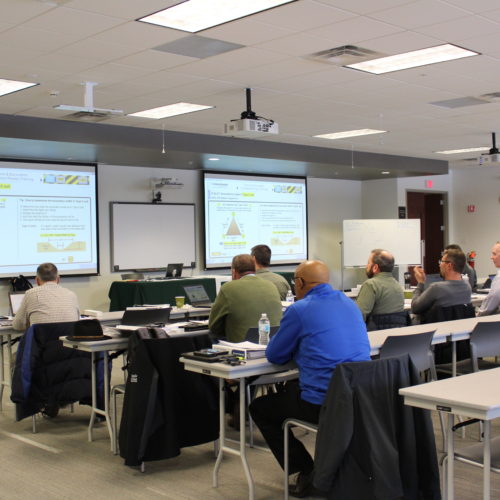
[[386, 321], [418, 346]]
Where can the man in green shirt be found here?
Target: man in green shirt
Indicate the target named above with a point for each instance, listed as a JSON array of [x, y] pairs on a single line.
[[381, 294], [261, 255], [241, 302]]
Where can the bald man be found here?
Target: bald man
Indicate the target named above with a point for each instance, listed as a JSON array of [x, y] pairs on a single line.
[[381, 295], [322, 329]]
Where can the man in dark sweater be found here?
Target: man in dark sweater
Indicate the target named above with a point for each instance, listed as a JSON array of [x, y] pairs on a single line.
[[452, 291]]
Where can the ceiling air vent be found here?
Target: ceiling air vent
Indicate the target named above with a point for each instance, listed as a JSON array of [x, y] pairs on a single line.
[[346, 54], [492, 96]]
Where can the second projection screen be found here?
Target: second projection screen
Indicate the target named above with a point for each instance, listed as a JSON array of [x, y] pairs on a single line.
[[244, 210]]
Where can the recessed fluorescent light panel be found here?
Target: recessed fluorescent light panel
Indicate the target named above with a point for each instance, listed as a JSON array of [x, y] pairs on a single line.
[[181, 108], [351, 133], [431, 55], [466, 150], [197, 15], [9, 86]]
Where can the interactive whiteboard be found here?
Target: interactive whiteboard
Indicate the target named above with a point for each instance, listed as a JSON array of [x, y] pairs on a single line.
[[401, 237], [150, 236]]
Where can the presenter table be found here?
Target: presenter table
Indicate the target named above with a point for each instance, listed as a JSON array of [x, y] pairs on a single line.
[[472, 395], [123, 294], [239, 372]]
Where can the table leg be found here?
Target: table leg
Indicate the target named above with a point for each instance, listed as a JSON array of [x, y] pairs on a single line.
[[450, 494], [106, 389], [486, 459], [222, 432], [93, 370], [243, 440], [2, 380], [453, 359]]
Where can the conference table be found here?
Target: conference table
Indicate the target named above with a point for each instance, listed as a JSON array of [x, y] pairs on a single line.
[[471, 395], [123, 294], [241, 372]]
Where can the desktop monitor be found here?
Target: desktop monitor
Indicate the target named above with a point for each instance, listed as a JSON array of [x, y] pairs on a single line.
[[174, 271]]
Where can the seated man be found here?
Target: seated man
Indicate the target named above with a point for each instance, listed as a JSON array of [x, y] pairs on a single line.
[[381, 293], [491, 303], [261, 255], [241, 302], [48, 302], [468, 270], [318, 332], [452, 291]]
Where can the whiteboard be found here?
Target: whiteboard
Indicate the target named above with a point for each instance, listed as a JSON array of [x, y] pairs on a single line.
[[401, 237], [150, 236]]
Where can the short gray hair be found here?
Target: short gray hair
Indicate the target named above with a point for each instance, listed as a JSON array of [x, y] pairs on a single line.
[[47, 272]]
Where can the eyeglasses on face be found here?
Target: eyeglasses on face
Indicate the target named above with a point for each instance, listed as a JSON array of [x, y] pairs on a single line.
[[444, 261]]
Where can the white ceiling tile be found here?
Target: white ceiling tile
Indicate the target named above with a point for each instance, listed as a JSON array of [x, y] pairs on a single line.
[[121, 8], [16, 11], [494, 15], [364, 6], [36, 39], [475, 6], [420, 13], [139, 35], [302, 15], [64, 63], [246, 31], [298, 44], [487, 44], [155, 60], [96, 50], [461, 29], [220, 65], [405, 41], [162, 80], [109, 73], [354, 30], [64, 20]]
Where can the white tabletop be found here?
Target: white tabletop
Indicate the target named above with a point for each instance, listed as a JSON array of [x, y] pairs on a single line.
[[474, 395]]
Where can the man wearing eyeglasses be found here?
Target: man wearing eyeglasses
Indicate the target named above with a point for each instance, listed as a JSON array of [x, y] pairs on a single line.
[[450, 292], [322, 329]]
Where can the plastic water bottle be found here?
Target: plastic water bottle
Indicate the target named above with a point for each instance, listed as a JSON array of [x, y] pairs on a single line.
[[289, 297], [264, 329]]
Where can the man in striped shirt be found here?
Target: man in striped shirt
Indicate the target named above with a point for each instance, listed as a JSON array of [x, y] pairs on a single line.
[[48, 302]]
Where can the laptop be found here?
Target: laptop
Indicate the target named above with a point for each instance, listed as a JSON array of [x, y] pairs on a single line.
[[146, 316], [431, 278], [15, 300], [197, 296], [173, 271]]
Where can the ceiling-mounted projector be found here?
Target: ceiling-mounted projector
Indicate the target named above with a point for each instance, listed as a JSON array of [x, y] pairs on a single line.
[[250, 125], [88, 112], [493, 156]]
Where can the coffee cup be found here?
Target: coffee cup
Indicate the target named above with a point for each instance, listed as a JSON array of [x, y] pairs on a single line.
[[179, 301]]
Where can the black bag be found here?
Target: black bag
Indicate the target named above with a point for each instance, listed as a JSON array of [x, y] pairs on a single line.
[[20, 284]]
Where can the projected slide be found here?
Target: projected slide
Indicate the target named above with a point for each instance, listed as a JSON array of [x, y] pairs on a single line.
[[49, 214], [243, 211]]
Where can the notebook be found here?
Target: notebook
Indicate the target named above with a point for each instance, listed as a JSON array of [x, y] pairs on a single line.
[[15, 300], [146, 316], [173, 271], [197, 296]]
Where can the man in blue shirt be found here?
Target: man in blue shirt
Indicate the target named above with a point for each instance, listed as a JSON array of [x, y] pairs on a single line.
[[318, 332]]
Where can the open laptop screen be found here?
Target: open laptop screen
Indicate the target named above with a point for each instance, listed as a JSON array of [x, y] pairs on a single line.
[[15, 300], [142, 317], [197, 294], [174, 271]]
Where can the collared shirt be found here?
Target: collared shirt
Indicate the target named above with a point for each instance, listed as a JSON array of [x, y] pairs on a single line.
[[276, 279], [48, 303], [381, 294], [318, 332], [491, 303]]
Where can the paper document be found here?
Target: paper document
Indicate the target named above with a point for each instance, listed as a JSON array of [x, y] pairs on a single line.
[[242, 345]]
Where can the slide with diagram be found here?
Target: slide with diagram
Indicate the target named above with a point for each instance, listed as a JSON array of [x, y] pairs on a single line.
[[243, 211]]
